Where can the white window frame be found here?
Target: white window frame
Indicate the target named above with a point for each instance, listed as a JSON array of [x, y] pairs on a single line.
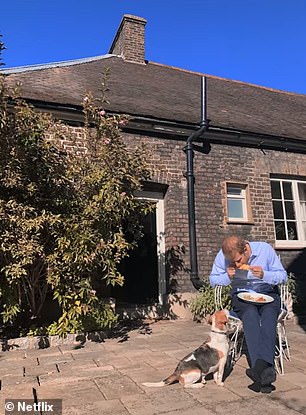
[[244, 199], [301, 241]]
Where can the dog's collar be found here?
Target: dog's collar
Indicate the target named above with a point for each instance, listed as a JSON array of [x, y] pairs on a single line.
[[219, 332]]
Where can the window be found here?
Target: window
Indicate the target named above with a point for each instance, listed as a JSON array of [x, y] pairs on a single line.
[[237, 202], [289, 211]]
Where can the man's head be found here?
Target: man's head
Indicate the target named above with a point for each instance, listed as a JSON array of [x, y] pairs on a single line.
[[236, 250]]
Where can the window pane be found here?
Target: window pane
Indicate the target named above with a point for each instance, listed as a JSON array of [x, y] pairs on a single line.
[[304, 229], [289, 209], [278, 210], [287, 189], [302, 191], [292, 233], [275, 189], [235, 209], [280, 231], [303, 210], [290, 224], [234, 190]]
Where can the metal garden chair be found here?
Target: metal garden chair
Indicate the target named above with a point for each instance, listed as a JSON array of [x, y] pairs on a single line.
[[236, 336]]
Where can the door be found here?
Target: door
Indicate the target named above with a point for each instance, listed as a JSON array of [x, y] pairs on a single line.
[[140, 268]]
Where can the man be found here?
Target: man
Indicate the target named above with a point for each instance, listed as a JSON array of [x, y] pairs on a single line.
[[264, 273]]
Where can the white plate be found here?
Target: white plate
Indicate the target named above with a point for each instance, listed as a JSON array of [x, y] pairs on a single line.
[[255, 297]]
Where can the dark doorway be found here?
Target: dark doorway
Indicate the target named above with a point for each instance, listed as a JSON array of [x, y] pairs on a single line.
[[140, 268]]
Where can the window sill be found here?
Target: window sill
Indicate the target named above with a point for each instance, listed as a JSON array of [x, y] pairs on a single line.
[[285, 245], [239, 222]]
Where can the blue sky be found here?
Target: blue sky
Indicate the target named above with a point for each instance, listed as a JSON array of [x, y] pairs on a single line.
[[257, 41]]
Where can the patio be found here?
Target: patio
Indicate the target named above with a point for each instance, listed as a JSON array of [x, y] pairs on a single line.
[[107, 377]]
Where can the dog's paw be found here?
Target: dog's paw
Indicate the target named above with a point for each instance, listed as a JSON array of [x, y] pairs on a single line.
[[220, 383]]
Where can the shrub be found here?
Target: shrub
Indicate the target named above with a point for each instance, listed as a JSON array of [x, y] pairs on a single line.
[[204, 302], [66, 220]]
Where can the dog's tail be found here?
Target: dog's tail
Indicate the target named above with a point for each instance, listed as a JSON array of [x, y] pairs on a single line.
[[154, 384], [168, 381]]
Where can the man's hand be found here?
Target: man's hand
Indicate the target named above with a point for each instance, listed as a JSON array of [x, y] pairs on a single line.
[[257, 271], [231, 270]]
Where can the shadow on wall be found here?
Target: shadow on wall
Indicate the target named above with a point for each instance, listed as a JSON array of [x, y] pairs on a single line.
[[175, 264], [177, 304], [298, 268]]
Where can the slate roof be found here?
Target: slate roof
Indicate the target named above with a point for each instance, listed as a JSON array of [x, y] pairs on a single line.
[[161, 92]]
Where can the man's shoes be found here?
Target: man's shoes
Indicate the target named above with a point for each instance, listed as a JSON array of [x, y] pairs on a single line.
[[253, 374], [268, 376], [267, 388], [257, 387], [263, 375]]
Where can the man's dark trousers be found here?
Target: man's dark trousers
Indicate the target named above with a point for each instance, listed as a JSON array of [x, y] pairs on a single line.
[[259, 325]]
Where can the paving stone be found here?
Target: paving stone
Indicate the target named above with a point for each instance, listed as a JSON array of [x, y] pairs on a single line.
[[133, 355], [211, 393], [17, 380], [85, 370], [295, 400], [238, 383], [259, 405], [178, 353], [195, 410], [167, 399], [116, 385], [144, 374], [120, 362], [169, 347], [135, 366], [52, 360], [85, 354], [161, 361], [73, 393], [11, 370], [18, 392], [295, 378], [49, 351], [110, 407]]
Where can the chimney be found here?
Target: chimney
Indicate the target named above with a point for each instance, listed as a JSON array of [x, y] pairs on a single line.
[[129, 39]]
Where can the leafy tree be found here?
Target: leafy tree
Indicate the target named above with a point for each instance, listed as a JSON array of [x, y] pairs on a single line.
[[65, 219]]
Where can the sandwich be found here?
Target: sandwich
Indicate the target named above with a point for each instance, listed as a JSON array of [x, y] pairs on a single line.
[[245, 267]]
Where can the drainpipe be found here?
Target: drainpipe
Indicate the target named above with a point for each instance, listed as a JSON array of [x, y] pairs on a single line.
[[189, 150]]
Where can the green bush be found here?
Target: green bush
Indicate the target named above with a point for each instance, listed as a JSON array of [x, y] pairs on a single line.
[[66, 220], [297, 289], [204, 302]]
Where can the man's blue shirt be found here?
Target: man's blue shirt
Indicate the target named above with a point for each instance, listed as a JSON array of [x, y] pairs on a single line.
[[262, 254]]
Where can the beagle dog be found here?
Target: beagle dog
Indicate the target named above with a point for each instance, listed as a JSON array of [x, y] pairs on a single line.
[[210, 357]]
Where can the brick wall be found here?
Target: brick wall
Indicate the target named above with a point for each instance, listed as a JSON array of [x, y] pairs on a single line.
[[129, 41], [223, 163], [73, 140]]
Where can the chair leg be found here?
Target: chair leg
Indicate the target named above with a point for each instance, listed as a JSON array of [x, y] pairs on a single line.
[[287, 351], [285, 343], [235, 346], [279, 358]]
